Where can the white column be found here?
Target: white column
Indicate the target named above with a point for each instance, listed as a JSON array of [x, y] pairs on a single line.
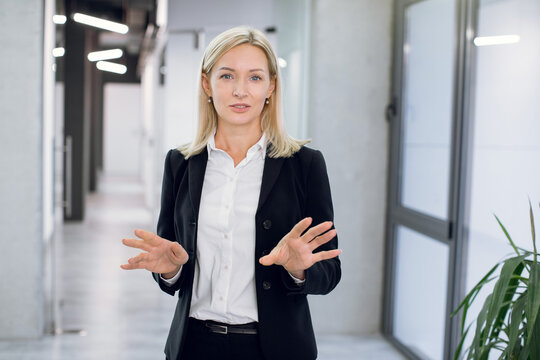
[[350, 86], [22, 299]]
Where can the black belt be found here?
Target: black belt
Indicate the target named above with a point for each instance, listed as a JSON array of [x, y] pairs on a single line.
[[222, 328]]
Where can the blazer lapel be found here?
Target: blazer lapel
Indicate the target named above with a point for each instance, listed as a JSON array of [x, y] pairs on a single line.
[[197, 168], [272, 167]]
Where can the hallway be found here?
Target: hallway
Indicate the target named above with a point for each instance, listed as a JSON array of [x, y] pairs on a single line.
[[109, 313]]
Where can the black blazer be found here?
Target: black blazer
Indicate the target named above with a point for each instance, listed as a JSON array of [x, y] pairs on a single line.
[[292, 189]]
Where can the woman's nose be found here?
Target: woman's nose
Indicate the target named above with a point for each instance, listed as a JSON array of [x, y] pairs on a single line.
[[239, 92]]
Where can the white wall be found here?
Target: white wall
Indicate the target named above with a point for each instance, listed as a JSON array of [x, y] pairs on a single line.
[[153, 111], [182, 61], [22, 299], [350, 86], [293, 19], [202, 14], [122, 129]]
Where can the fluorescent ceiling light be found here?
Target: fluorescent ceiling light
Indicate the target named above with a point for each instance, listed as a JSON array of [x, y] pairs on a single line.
[[59, 51], [282, 63], [496, 40], [111, 67], [59, 19], [100, 23], [105, 55]]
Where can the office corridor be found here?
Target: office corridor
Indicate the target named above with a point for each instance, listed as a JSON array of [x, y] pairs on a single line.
[[108, 313]]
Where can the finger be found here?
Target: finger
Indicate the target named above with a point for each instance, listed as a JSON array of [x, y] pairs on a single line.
[[130, 266], [268, 260], [316, 231], [322, 239], [138, 244], [138, 258], [325, 255], [300, 227], [148, 236]]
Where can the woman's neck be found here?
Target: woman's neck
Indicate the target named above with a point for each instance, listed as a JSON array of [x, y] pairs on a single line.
[[236, 140]]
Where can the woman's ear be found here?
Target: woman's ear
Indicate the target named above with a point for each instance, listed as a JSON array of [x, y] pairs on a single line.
[[205, 82], [272, 86]]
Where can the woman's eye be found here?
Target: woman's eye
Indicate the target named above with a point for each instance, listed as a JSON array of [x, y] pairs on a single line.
[[226, 76], [256, 77]]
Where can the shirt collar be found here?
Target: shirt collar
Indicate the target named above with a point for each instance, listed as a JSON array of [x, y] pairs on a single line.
[[259, 146]]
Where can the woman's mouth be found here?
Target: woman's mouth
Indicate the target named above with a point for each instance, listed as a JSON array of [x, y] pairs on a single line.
[[239, 107]]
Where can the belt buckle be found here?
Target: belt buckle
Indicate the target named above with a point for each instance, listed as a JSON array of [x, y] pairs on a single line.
[[219, 329]]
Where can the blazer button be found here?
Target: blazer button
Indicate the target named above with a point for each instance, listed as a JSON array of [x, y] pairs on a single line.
[[267, 224], [265, 252], [267, 285]]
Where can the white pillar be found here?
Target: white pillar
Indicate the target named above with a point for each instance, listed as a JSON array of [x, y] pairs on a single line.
[[350, 86], [22, 299]]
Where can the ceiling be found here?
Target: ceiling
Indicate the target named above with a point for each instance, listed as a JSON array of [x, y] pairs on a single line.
[[136, 14]]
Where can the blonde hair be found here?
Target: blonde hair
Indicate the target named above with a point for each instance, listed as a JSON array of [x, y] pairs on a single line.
[[281, 144]]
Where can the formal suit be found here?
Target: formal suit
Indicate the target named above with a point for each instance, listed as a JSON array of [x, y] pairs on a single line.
[[292, 189]]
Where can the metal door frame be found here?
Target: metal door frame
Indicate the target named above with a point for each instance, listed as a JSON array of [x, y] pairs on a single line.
[[451, 231]]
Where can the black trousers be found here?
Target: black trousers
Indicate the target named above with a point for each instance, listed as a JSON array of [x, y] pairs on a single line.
[[202, 344]]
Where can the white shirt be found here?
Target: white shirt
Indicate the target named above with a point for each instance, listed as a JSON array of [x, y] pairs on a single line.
[[224, 278]]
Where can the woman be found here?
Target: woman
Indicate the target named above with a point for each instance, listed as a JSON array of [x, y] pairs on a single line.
[[233, 235]]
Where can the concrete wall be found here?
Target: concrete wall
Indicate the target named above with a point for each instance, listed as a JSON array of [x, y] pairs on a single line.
[[21, 161], [350, 86]]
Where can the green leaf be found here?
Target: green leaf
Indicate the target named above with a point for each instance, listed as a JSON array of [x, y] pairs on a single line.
[[497, 311], [507, 235], [534, 339], [505, 289], [516, 320], [469, 298], [533, 232], [480, 335], [460, 345], [465, 305], [532, 308]]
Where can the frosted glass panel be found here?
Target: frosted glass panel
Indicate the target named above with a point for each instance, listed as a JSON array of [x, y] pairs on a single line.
[[505, 167], [427, 105], [420, 293]]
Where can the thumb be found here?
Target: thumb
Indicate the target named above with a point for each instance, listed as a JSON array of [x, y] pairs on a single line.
[[268, 260], [178, 252]]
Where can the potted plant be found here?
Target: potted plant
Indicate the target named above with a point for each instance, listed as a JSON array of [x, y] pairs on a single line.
[[509, 320]]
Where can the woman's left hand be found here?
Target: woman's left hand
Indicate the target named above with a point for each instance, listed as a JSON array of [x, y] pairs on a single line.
[[295, 251]]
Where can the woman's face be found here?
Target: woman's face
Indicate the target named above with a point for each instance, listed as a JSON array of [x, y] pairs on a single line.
[[239, 84]]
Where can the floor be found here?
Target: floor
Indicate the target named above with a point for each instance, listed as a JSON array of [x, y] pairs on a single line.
[[110, 313]]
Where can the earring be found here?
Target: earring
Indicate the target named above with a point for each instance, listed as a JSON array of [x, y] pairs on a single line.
[[209, 99], [267, 101]]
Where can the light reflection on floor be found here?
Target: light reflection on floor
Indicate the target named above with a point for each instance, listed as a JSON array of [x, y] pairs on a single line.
[[123, 315]]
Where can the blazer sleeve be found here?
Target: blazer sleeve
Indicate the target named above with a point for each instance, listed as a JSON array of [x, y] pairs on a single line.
[[323, 276], [165, 224]]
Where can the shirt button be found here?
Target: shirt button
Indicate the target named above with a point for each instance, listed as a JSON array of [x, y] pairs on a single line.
[[225, 236], [267, 224], [221, 298], [267, 285]]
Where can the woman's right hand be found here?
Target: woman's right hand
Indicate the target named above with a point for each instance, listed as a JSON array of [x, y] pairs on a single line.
[[160, 255]]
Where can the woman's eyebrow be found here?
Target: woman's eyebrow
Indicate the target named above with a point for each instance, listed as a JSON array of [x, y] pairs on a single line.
[[230, 69]]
